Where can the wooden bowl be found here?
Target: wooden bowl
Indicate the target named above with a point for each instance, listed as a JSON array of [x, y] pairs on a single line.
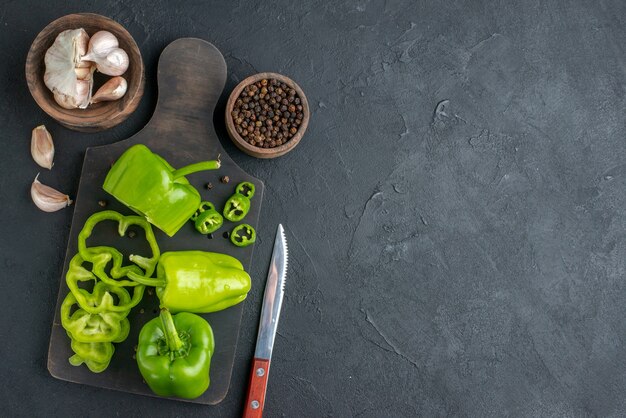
[[258, 151], [99, 116]]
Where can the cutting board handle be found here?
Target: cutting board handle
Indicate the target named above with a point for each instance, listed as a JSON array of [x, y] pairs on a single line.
[[188, 95]]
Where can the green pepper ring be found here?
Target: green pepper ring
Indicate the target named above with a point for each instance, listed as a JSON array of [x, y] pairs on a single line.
[[147, 264], [241, 189], [209, 221], [77, 273], [204, 206], [243, 240]]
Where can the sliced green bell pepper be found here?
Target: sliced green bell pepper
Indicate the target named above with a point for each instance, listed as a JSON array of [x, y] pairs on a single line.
[[150, 186], [207, 219], [174, 354], [238, 205], [100, 256], [96, 356], [243, 235], [198, 281], [101, 299], [85, 327]]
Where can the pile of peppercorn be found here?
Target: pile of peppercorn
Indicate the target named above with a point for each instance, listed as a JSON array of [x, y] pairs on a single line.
[[267, 113]]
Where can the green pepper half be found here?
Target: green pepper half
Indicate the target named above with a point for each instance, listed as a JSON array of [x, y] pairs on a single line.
[[150, 186]]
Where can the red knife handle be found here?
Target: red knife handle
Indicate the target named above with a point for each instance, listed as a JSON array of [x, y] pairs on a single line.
[[256, 390]]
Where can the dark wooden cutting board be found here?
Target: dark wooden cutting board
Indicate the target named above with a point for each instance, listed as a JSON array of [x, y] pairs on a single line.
[[191, 77]]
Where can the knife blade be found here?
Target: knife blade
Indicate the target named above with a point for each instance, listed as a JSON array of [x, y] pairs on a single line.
[[270, 312]]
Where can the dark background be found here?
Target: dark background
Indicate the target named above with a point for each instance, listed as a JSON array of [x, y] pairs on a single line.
[[456, 212]]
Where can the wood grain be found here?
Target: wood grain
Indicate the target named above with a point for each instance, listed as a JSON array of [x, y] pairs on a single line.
[[181, 131], [257, 387], [99, 116]]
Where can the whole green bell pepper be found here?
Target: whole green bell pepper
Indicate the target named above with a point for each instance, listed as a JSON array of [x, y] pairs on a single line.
[[238, 205], [150, 186], [174, 354], [198, 281]]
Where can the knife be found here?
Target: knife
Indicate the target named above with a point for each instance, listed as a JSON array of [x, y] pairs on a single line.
[[272, 301]]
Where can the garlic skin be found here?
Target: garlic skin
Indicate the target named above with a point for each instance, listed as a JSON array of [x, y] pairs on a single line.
[[42, 147], [113, 89], [46, 198], [61, 61]]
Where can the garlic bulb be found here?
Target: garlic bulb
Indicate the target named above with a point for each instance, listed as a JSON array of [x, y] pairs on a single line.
[[111, 90], [46, 198], [104, 51], [62, 77], [42, 147]]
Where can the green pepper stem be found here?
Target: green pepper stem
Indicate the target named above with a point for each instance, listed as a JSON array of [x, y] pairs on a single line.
[[194, 168], [174, 343], [147, 281]]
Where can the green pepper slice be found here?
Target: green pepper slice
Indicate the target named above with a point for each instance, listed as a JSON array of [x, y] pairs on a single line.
[[101, 299], [243, 235], [92, 328], [96, 356], [207, 219], [238, 205], [100, 256]]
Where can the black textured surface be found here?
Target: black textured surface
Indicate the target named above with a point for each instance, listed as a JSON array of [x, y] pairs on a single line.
[[455, 212]]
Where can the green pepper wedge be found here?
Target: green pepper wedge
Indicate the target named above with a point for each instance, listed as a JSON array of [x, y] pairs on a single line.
[[150, 186], [207, 219], [174, 354], [238, 205], [243, 235], [198, 281]]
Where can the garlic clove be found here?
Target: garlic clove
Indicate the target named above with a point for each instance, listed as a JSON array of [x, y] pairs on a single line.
[[84, 73], [42, 147], [46, 198], [83, 92], [115, 63], [65, 101], [111, 90], [101, 43]]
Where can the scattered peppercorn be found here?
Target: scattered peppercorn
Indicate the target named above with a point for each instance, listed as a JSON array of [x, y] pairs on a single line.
[[142, 310], [102, 203], [226, 234], [132, 234], [268, 113], [209, 236], [225, 179], [209, 186]]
